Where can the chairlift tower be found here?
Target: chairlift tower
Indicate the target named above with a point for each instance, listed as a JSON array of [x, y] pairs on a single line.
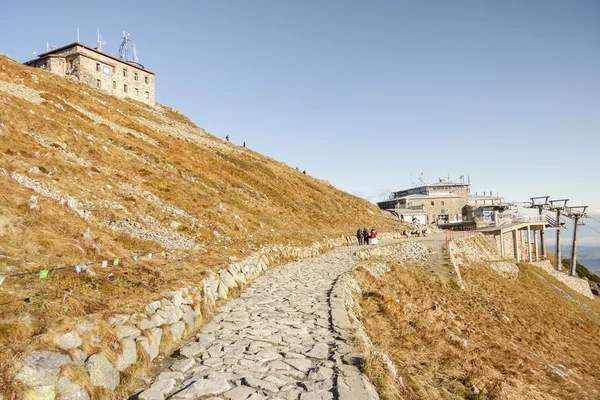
[[572, 212]]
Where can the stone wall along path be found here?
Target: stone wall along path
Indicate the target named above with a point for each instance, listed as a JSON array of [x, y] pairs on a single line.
[[276, 341]]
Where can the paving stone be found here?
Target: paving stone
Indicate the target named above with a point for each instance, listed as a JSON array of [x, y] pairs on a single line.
[[203, 387], [183, 365], [260, 384], [239, 393], [275, 340], [166, 375]]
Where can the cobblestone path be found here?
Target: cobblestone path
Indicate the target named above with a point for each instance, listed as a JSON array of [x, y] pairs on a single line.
[[278, 340]]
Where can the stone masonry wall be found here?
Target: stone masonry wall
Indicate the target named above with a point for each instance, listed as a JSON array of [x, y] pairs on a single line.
[[88, 67], [170, 319]]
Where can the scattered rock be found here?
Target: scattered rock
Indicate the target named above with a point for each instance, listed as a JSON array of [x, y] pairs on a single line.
[[70, 391], [68, 341], [101, 372], [41, 368]]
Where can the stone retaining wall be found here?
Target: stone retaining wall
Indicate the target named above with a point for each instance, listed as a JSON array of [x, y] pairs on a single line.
[[579, 285], [479, 249], [138, 336]]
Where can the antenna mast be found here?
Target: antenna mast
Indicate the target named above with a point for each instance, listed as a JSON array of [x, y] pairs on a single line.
[[100, 40]]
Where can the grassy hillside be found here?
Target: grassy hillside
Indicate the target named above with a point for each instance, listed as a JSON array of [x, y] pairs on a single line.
[[86, 177], [525, 338]]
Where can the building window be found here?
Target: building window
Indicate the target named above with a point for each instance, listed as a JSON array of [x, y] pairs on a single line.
[[124, 72], [114, 84], [98, 67], [147, 95], [135, 76], [146, 80], [98, 83], [432, 203], [443, 202], [125, 88], [70, 64], [137, 92]]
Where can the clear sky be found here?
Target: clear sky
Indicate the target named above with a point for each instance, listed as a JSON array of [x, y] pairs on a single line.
[[366, 94]]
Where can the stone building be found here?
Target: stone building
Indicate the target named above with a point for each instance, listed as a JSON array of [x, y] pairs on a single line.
[[485, 209], [441, 202], [100, 71]]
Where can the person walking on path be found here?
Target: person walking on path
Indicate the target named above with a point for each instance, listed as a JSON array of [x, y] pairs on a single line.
[[374, 239], [227, 138], [366, 235], [360, 237], [244, 143]]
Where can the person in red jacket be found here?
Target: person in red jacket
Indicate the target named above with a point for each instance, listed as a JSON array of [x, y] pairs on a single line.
[[374, 239]]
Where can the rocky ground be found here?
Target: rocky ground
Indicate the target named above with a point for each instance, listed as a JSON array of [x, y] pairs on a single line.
[[277, 340]]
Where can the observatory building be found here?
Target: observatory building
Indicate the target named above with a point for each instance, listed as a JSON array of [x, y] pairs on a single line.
[[121, 76]]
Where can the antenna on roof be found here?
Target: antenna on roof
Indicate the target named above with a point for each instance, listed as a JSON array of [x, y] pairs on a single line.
[[100, 40], [124, 49]]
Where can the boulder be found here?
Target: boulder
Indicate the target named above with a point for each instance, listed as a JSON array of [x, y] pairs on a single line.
[[40, 393], [69, 340], [128, 356], [70, 391], [102, 372], [41, 368], [177, 330], [126, 331]]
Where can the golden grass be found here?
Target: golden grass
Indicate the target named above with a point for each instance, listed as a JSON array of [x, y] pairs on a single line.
[[509, 339], [203, 183]]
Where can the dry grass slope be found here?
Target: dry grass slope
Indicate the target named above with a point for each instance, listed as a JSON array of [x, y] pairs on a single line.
[[85, 177], [524, 338]]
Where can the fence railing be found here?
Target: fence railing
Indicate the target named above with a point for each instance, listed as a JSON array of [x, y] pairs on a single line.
[[458, 233]]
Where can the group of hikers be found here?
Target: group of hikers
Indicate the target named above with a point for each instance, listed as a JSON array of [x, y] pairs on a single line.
[[365, 236]]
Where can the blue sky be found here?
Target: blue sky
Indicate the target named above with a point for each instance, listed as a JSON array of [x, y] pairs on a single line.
[[366, 94]]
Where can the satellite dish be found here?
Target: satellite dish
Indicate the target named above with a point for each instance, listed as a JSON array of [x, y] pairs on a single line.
[[34, 53]]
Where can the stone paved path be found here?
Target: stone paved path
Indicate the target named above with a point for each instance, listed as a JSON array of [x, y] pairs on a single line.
[[276, 341]]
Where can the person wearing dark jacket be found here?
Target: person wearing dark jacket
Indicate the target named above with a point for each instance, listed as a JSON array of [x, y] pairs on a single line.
[[359, 236], [366, 235]]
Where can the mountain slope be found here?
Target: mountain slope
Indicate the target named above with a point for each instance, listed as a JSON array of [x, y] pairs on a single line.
[[86, 177]]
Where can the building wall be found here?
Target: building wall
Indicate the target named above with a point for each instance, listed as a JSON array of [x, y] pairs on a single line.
[[102, 72], [509, 248], [451, 206]]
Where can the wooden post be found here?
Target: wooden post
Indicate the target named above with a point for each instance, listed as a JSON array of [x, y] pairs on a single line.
[[558, 256], [572, 270]]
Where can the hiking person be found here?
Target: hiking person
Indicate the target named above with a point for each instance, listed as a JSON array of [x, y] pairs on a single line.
[[227, 138], [244, 143], [374, 239], [366, 235], [360, 237]]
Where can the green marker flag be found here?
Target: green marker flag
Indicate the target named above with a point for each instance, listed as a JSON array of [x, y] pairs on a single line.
[[162, 253], [116, 262], [44, 274]]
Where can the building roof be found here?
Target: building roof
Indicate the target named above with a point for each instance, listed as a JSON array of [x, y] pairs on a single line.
[[428, 196], [484, 197], [416, 196], [52, 52]]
